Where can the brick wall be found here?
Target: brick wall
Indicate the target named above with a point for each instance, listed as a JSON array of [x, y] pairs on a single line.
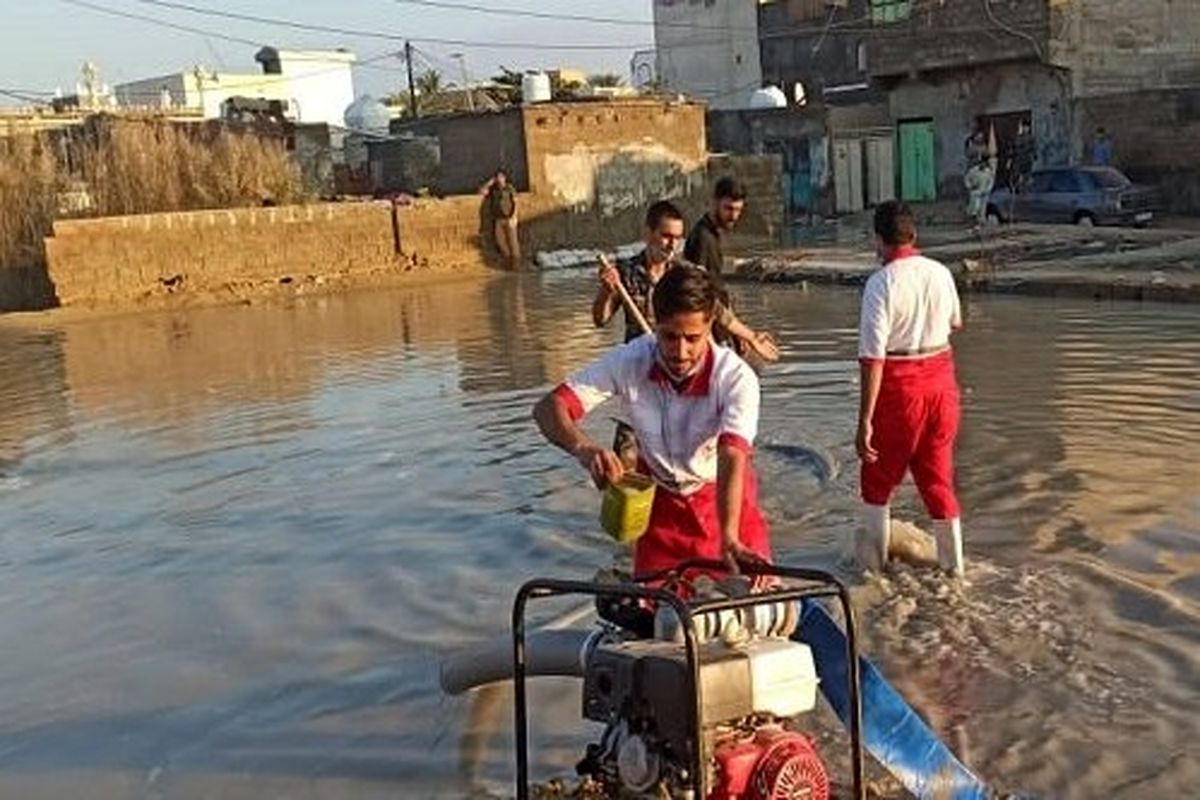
[[126, 258], [116, 258]]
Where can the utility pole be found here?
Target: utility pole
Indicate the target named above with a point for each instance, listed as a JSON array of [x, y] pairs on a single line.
[[462, 63], [413, 109]]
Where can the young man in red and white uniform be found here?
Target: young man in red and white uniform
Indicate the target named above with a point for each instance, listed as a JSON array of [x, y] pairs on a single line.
[[909, 410], [694, 407]]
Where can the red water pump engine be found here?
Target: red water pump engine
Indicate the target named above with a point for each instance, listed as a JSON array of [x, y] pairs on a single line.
[[772, 764], [752, 681]]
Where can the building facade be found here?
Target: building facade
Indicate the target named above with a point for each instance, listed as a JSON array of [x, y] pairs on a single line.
[[708, 49], [315, 85]]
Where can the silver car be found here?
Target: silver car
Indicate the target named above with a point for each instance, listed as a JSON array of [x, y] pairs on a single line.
[[1076, 195]]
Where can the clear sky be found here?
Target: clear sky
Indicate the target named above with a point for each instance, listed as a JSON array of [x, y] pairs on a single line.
[[43, 43]]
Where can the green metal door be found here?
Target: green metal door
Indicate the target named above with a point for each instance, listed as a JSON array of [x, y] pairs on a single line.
[[918, 175]]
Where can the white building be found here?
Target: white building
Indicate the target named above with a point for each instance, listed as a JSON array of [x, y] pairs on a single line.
[[316, 85], [708, 49]]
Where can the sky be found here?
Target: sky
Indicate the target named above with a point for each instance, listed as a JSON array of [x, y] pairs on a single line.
[[43, 43]]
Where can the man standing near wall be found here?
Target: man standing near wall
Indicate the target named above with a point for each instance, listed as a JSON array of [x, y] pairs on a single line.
[[704, 246], [501, 201], [1102, 149], [909, 405]]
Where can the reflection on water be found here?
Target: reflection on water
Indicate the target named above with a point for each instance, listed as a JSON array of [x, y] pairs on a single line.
[[234, 542]]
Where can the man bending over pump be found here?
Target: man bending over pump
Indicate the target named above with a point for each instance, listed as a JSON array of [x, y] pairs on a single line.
[[693, 406]]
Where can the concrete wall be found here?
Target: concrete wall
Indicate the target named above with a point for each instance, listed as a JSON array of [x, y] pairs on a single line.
[[473, 147], [819, 45], [614, 157], [1117, 46], [708, 49], [952, 35], [1156, 139], [953, 100]]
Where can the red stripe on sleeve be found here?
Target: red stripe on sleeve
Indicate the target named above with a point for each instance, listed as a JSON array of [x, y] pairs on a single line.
[[566, 395], [734, 441]]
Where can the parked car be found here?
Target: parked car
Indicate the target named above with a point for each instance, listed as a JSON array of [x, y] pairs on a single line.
[[1076, 195]]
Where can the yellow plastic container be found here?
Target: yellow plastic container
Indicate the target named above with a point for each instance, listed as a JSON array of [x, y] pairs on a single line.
[[625, 511]]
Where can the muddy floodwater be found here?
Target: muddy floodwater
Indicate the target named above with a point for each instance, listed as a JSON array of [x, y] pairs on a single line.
[[235, 542]]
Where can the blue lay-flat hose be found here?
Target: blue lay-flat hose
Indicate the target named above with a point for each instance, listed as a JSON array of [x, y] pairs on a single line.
[[892, 732]]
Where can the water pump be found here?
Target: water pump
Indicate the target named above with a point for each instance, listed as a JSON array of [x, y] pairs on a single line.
[[706, 708]]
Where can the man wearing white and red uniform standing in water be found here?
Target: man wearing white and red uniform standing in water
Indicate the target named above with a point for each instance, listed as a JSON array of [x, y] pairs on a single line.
[[693, 406], [909, 410]]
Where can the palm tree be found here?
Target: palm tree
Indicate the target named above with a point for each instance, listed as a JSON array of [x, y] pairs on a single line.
[[429, 83], [607, 79]]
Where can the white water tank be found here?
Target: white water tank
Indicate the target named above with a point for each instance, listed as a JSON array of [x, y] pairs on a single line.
[[368, 116], [768, 97], [535, 88]]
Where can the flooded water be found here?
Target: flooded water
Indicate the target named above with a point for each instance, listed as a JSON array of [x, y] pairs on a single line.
[[234, 543]]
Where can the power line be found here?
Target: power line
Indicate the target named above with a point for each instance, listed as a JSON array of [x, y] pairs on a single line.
[[161, 23], [369, 34], [513, 12]]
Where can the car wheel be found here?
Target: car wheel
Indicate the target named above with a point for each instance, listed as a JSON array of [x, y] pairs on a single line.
[[1085, 220]]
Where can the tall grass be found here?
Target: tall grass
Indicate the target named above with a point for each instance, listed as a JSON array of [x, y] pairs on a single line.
[[29, 181], [134, 167]]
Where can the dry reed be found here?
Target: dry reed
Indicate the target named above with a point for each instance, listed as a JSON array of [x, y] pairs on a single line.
[[134, 167]]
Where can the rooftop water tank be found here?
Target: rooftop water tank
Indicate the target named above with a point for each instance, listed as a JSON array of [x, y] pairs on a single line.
[[768, 97], [535, 88], [367, 115]]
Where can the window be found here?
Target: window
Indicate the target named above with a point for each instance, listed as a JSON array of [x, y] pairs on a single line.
[[887, 11], [1063, 183]]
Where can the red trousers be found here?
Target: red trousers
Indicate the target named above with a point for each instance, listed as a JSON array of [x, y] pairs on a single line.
[[684, 527], [913, 430]]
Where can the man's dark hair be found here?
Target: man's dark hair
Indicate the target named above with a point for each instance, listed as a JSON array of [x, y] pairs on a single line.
[[895, 223], [729, 189], [663, 209], [683, 290]]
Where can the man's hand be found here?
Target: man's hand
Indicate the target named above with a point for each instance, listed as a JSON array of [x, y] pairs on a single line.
[[603, 465], [610, 277], [862, 443], [764, 344], [736, 555]]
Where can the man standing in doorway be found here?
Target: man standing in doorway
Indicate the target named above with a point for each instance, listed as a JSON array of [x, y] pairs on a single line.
[[909, 403], [501, 203], [1024, 154]]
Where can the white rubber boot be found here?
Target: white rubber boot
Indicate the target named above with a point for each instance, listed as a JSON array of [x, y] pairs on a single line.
[[948, 534], [871, 540]]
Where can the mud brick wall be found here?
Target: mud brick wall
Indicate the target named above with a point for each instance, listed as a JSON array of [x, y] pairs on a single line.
[[118, 258]]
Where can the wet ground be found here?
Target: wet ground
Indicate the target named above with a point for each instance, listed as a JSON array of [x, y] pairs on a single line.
[[235, 542]]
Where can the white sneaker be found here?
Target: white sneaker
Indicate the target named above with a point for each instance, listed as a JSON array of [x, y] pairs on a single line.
[[871, 540], [948, 534]]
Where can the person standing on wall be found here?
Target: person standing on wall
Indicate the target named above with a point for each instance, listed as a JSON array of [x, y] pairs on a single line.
[[909, 399], [501, 203], [705, 248]]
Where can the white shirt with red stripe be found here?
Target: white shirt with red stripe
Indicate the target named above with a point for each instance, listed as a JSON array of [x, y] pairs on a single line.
[[909, 308], [679, 426]]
